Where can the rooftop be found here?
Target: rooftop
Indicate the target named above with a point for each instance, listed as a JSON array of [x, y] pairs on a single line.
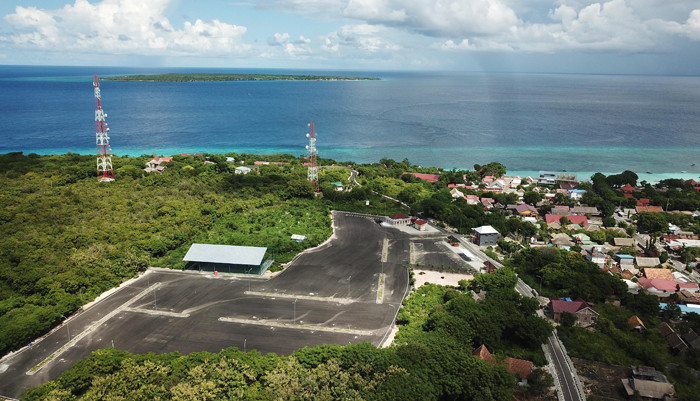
[[229, 254]]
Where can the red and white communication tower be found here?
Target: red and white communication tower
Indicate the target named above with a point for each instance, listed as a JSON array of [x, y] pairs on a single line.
[[104, 151], [313, 154]]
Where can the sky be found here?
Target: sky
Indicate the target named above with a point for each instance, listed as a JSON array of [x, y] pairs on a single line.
[[561, 36]]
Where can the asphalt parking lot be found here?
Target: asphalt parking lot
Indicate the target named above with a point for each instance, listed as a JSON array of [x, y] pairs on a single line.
[[328, 295]]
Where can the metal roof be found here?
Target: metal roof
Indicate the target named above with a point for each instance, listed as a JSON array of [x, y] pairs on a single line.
[[230, 254], [486, 230]]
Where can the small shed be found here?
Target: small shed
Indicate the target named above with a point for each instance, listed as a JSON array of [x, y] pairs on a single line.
[[420, 225]]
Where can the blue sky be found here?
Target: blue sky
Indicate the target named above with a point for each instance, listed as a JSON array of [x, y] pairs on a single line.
[[577, 36]]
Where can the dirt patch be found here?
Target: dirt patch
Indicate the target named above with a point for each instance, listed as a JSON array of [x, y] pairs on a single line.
[[601, 380], [430, 276]]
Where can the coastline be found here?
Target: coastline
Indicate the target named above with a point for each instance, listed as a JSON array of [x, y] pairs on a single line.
[[431, 158]]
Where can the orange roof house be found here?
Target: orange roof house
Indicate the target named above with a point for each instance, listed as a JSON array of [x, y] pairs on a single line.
[[483, 353], [650, 209], [520, 368], [636, 324], [580, 220], [655, 273]]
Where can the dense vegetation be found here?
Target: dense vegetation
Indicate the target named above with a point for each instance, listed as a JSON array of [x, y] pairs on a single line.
[[432, 361], [65, 238], [195, 77]]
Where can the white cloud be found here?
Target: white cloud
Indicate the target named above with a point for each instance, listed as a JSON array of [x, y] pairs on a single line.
[[291, 48], [362, 38], [278, 39], [436, 17], [122, 27], [606, 26], [493, 25]]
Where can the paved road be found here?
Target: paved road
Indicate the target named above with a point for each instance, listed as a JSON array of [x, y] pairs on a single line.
[[569, 384], [326, 296]]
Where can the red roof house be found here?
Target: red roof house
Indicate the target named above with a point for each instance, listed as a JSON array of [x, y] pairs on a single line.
[[627, 188], [584, 312]]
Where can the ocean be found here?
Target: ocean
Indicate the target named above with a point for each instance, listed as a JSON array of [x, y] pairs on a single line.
[[529, 122]]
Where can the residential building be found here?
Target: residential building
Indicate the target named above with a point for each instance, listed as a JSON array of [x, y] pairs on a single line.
[[672, 338], [483, 353], [617, 241], [649, 384], [596, 256], [585, 210], [547, 177], [654, 273], [627, 188], [525, 210], [636, 323], [155, 164], [486, 236], [582, 221], [584, 312], [650, 209], [562, 240], [519, 368]]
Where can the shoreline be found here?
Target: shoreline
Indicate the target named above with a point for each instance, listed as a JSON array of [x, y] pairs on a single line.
[[369, 156]]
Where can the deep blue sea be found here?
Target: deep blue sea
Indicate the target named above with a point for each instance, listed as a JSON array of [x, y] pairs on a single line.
[[529, 122]]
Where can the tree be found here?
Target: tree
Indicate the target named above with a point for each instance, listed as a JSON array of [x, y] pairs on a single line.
[[609, 221], [652, 222], [300, 188], [567, 319], [494, 168], [540, 382], [671, 312], [531, 197]]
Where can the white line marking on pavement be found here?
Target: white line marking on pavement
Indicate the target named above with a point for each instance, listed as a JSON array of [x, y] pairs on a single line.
[[87, 331]]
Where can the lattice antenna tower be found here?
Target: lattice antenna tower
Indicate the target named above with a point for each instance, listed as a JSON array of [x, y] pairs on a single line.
[[312, 175], [105, 173]]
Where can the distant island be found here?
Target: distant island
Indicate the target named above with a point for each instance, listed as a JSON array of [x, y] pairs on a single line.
[[234, 77]]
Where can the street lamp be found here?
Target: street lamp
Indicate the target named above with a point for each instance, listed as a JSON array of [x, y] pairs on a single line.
[[248, 272], [295, 310], [245, 340]]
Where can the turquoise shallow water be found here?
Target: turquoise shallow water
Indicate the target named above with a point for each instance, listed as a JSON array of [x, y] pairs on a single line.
[[529, 122]]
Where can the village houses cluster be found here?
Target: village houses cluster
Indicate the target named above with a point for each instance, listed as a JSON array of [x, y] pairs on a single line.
[[571, 226]]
